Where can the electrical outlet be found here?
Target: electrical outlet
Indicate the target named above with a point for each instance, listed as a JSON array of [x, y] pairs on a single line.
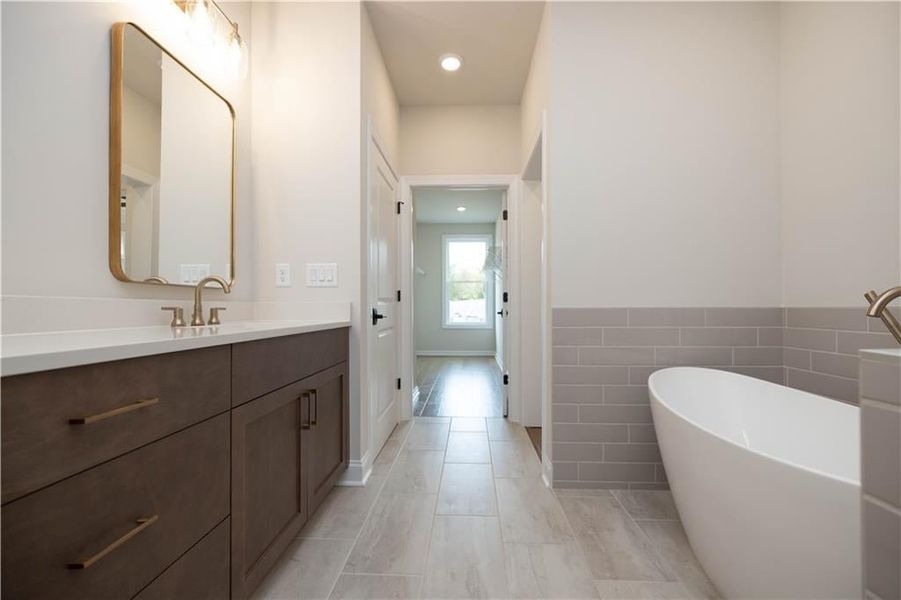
[[282, 275], [322, 275]]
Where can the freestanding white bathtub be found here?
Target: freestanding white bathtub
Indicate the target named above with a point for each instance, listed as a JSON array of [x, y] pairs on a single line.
[[766, 480]]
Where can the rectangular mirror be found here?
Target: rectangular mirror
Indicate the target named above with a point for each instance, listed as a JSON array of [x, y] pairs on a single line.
[[172, 167]]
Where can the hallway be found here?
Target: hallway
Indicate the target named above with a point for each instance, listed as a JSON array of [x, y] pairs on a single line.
[[456, 508], [458, 386]]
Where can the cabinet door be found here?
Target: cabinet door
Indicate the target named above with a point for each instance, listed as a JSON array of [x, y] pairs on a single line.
[[269, 496], [326, 441]]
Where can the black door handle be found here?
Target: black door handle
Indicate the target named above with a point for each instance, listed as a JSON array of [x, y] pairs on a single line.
[[500, 313], [376, 317]]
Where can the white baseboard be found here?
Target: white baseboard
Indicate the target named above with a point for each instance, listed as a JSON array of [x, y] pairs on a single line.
[[455, 353], [357, 473]]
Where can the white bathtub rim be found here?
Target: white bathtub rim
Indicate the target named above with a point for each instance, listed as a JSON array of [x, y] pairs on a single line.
[[766, 455]]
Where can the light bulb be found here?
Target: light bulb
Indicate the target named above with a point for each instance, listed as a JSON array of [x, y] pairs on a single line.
[[237, 56], [201, 24], [451, 62]]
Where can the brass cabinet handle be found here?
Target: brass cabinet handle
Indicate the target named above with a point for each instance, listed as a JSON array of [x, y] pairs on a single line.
[[306, 396], [315, 412], [143, 523], [114, 412]]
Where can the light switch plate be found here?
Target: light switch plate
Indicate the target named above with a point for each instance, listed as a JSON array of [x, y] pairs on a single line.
[[282, 275], [322, 275]]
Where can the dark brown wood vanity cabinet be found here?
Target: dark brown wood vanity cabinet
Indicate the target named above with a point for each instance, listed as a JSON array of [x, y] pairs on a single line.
[[149, 478], [289, 447]]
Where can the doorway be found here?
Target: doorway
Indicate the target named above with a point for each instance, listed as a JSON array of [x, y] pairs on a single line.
[[459, 258]]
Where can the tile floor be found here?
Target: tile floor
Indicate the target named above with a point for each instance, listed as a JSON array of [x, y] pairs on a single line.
[[456, 508], [458, 387]]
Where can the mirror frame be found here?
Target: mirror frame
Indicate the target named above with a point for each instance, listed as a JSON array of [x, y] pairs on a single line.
[[117, 58]]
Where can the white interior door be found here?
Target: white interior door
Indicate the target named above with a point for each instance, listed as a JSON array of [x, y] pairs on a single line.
[[501, 333], [384, 367]]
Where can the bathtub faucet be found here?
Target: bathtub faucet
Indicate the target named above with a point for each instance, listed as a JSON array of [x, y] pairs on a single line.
[[879, 309]]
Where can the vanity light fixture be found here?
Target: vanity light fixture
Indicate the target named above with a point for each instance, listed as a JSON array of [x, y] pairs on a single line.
[[461, 209], [451, 62], [208, 25]]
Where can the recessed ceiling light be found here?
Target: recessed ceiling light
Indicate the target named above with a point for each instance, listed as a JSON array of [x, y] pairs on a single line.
[[461, 209], [451, 62]]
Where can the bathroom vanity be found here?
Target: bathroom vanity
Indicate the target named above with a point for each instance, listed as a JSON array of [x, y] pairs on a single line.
[[183, 473]]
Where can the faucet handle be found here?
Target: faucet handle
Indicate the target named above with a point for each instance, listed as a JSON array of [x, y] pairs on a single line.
[[214, 315], [178, 315]]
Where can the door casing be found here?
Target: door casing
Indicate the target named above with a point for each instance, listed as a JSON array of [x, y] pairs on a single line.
[[511, 184]]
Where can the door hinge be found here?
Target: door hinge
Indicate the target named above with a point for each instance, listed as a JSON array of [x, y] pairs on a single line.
[[506, 297], [398, 383], [506, 379], [506, 215], [398, 295]]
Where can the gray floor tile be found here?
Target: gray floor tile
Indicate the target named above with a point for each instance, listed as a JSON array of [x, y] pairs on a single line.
[[643, 590], [416, 471], [466, 559], [614, 545], [308, 569], [514, 459], [670, 541], [376, 587], [395, 538], [467, 489], [530, 513], [548, 571], [647, 504], [344, 510], [467, 447], [427, 436]]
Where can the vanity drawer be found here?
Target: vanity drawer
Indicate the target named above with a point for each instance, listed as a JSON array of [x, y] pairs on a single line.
[[179, 486], [157, 395], [262, 366], [201, 574]]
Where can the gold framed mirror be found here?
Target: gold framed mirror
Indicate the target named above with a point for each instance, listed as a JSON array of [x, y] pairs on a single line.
[[171, 167]]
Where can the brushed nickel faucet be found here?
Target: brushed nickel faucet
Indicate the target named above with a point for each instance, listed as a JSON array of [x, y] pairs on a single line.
[[879, 309], [197, 315]]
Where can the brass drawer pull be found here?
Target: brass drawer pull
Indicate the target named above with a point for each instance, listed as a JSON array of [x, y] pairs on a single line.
[[306, 396], [114, 412], [143, 523]]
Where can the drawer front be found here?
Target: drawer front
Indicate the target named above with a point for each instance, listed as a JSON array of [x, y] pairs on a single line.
[[127, 403], [262, 366], [201, 574], [123, 522]]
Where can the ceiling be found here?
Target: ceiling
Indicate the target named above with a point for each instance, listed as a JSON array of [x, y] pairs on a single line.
[[495, 40], [439, 205]]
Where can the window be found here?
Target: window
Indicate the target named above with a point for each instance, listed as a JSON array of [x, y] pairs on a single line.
[[468, 289]]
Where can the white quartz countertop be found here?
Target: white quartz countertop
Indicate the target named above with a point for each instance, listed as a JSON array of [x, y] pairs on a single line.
[[32, 352]]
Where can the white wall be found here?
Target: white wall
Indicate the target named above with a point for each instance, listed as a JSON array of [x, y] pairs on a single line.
[[55, 130], [431, 337], [459, 140], [378, 99], [306, 166], [839, 125], [664, 168], [536, 95]]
